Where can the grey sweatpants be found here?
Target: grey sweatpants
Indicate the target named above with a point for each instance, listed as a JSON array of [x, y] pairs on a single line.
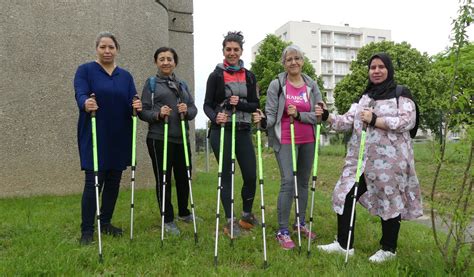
[[304, 161]]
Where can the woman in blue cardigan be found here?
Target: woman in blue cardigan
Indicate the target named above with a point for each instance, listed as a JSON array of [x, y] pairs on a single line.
[[114, 90]]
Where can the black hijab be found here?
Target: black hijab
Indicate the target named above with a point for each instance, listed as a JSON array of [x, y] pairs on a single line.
[[387, 89]]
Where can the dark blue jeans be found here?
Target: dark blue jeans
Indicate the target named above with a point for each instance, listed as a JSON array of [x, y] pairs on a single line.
[[109, 182]]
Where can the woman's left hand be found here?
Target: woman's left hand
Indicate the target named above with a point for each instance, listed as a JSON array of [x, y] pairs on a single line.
[[182, 108], [137, 104], [234, 100], [366, 115]]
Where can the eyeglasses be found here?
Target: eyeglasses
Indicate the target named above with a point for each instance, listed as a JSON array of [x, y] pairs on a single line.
[[296, 59]]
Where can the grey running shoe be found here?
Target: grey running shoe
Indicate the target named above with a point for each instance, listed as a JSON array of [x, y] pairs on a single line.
[[171, 228], [188, 218], [237, 231]]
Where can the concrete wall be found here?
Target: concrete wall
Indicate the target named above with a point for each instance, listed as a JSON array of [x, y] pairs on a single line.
[[42, 43]]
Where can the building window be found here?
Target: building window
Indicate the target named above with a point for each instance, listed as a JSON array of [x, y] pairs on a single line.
[[370, 39], [325, 38], [340, 39], [314, 46], [341, 68], [381, 38], [327, 82], [326, 67], [314, 61], [314, 32], [340, 54], [284, 36], [326, 53]]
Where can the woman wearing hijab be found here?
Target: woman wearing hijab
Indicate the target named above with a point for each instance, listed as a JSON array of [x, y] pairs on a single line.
[[169, 98], [388, 186], [231, 85]]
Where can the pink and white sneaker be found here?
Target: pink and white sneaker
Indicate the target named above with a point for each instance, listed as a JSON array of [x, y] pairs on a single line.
[[305, 231], [283, 237]]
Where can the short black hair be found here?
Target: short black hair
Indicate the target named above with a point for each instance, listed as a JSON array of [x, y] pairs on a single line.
[[166, 49], [235, 36]]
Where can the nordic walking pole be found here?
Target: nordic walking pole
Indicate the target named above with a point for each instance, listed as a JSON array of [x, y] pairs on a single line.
[[260, 180], [134, 163], [219, 180], [356, 185], [232, 179], [163, 190], [96, 177], [188, 170], [293, 157], [315, 177]]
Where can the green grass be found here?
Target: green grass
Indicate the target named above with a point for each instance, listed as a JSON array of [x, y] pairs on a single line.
[[39, 236]]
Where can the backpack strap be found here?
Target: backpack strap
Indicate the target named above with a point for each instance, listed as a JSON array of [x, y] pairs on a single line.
[[152, 83], [413, 131], [280, 89], [398, 92]]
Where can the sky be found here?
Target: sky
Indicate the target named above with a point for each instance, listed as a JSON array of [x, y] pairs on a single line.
[[425, 24]]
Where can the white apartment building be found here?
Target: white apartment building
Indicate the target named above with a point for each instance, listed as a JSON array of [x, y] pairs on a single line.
[[330, 49]]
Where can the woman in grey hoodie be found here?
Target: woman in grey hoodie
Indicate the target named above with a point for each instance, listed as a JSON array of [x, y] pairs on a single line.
[[167, 96], [292, 94]]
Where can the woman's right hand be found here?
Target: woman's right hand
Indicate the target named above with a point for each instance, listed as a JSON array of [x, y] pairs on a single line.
[[318, 110], [90, 105], [165, 111], [257, 116], [221, 118], [292, 111]]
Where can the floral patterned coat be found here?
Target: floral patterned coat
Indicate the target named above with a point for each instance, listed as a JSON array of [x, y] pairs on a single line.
[[389, 167]]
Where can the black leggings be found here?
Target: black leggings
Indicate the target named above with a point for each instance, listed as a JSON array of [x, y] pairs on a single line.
[[245, 155], [390, 227], [175, 162]]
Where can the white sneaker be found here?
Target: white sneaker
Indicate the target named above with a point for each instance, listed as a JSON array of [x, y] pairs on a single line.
[[335, 247], [382, 256]]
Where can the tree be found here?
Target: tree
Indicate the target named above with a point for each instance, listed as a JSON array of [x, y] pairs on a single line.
[[268, 65], [457, 247], [463, 90], [412, 69]]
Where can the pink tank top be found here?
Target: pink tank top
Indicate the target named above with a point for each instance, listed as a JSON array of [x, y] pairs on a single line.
[[304, 133]]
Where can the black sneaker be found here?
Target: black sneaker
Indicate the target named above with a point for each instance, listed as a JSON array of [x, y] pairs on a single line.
[[86, 238], [110, 229]]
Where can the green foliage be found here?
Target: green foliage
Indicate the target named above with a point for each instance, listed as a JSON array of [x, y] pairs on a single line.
[[412, 69], [200, 139], [460, 102], [268, 65]]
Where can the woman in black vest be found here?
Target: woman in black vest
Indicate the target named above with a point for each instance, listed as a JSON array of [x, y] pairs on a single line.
[[231, 85]]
